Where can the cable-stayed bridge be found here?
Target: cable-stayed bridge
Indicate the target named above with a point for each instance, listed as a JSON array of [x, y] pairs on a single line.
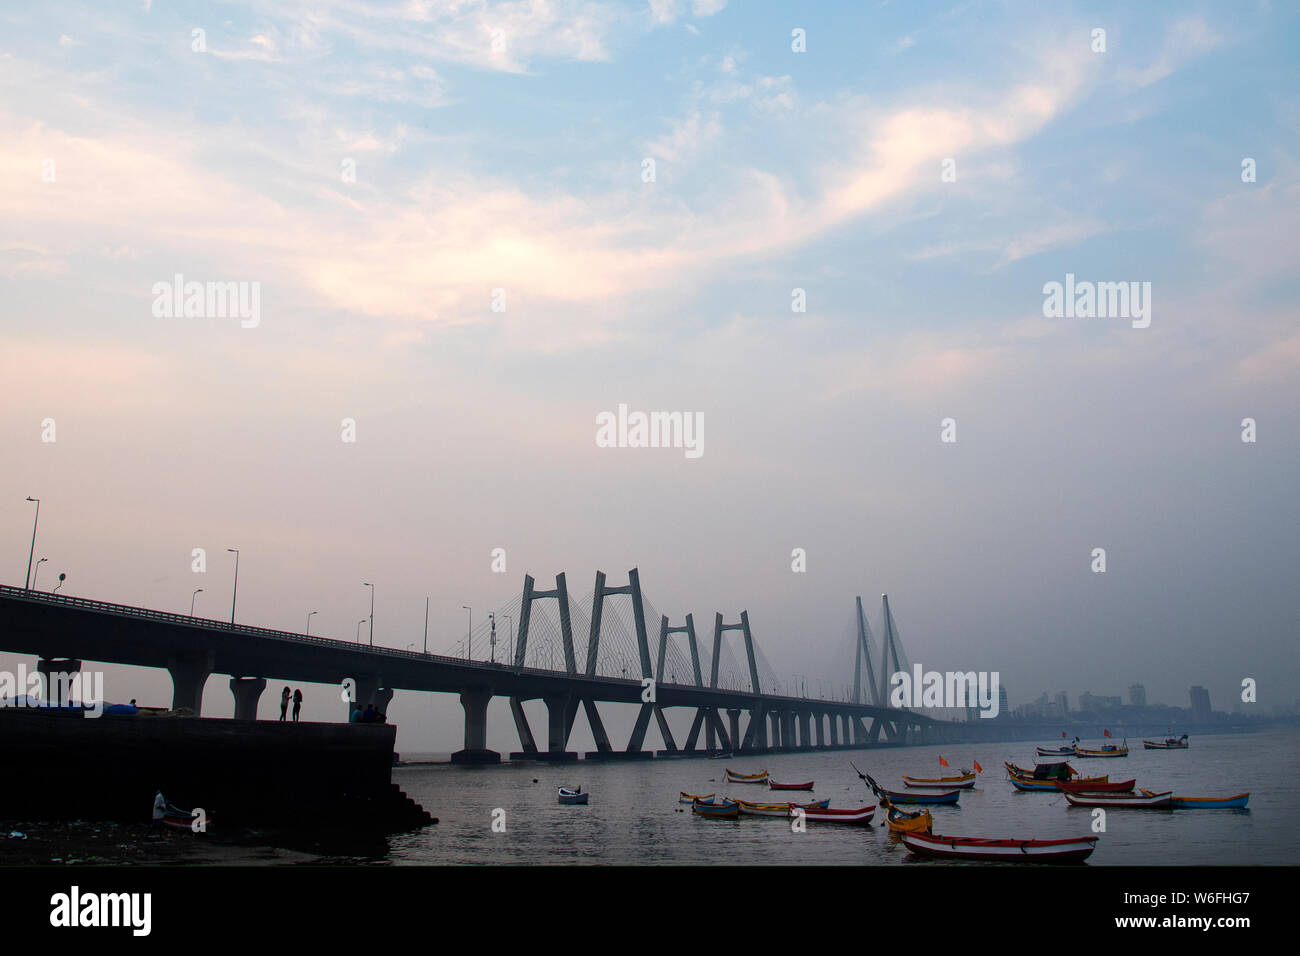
[[611, 647]]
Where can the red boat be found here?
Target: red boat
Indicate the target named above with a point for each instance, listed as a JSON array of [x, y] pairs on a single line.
[[1083, 786], [1000, 851], [859, 817], [789, 786]]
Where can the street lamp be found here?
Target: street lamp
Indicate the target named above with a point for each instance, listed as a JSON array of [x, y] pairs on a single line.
[[359, 623], [372, 611], [469, 634], [27, 583], [492, 639], [197, 592], [62, 577], [37, 572], [235, 593], [309, 614]]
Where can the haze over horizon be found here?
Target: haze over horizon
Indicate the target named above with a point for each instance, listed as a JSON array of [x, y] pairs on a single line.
[[447, 212]]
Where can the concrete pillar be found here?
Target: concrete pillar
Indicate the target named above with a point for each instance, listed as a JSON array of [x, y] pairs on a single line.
[[57, 674], [189, 673], [247, 691], [476, 750], [758, 721], [805, 730], [821, 728], [734, 714], [557, 724], [774, 720], [787, 730], [381, 698], [835, 730], [710, 738]]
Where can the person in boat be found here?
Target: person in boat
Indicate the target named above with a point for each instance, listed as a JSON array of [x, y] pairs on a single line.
[[284, 704], [297, 703], [159, 811]]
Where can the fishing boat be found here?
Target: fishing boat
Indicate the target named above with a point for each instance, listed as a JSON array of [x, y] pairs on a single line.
[[1169, 743], [1073, 850], [1055, 751], [1109, 750], [573, 798], [964, 781], [1034, 786], [1088, 786], [179, 819], [789, 786], [1118, 801], [723, 810], [777, 809], [1209, 803], [1042, 771], [859, 817], [908, 821], [685, 797], [894, 796], [733, 777]]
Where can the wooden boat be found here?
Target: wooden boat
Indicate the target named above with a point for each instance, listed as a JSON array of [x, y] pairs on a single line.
[[723, 810], [685, 797], [573, 797], [1209, 803], [859, 817], [183, 820], [1073, 850], [894, 796], [904, 821], [1117, 801], [1034, 786], [1042, 771], [1110, 750], [1169, 743], [964, 781], [789, 786], [777, 809], [1049, 783], [733, 777], [1055, 751], [1087, 786]]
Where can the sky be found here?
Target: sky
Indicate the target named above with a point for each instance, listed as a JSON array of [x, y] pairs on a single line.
[[826, 233]]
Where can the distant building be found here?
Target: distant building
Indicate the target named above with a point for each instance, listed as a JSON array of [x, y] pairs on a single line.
[[1003, 706], [1200, 704], [1137, 695], [1063, 702]]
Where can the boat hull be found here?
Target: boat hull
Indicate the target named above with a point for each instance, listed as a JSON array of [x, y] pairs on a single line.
[[932, 799], [716, 811], [733, 777], [1119, 801], [773, 785], [859, 817], [900, 821], [1237, 802], [1101, 753], [963, 782], [1150, 745], [684, 797], [1000, 851], [1097, 786], [1055, 752], [777, 809]]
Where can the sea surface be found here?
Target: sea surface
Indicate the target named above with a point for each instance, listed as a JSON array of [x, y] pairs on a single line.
[[634, 817]]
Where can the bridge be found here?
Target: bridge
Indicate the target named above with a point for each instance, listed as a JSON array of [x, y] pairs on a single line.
[[602, 658]]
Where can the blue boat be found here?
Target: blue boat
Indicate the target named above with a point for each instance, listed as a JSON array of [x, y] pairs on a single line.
[[1237, 802]]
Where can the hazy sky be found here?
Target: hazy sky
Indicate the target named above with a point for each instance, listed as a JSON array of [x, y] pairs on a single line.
[[447, 210]]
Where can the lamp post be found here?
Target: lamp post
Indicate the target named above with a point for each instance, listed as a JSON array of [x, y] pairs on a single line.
[[372, 612], [469, 634], [62, 577], [426, 624], [309, 614], [37, 573], [235, 593], [492, 639], [197, 592], [27, 582], [359, 623]]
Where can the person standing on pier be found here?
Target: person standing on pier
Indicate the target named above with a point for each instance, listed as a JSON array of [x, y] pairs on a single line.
[[159, 811], [297, 703], [284, 703]]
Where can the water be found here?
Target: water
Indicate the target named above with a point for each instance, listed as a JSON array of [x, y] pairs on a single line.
[[634, 817]]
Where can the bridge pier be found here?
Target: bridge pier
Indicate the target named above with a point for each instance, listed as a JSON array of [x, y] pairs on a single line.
[[247, 691], [835, 730], [821, 730], [788, 741], [733, 716], [57, 674], [758, 726], [557, 729], [476, 750], [189, 673], [805, 730]]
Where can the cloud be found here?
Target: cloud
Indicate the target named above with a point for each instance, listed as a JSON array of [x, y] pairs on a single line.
[[1185, 40]]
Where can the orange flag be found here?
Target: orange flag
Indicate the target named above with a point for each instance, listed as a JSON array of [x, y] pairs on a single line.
[[978, 768], [942, 761], [1106, 733], [1062, 734]]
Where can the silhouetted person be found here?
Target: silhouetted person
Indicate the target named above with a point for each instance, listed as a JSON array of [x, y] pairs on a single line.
[[159, 811], [284, 703], [369, 714], [355, 717], [297, 703]]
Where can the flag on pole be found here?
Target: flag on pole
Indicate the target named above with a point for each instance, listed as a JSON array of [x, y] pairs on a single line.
[[1106, 733], [943, 762], [978, 768]]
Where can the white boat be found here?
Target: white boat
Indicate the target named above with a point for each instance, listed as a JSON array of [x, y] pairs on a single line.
[[1148, 801], [573, 797]]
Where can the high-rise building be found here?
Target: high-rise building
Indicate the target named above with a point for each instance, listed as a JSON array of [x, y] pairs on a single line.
[[1063, 702], [1003, 706], [1137, 695], [1200, 704]]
